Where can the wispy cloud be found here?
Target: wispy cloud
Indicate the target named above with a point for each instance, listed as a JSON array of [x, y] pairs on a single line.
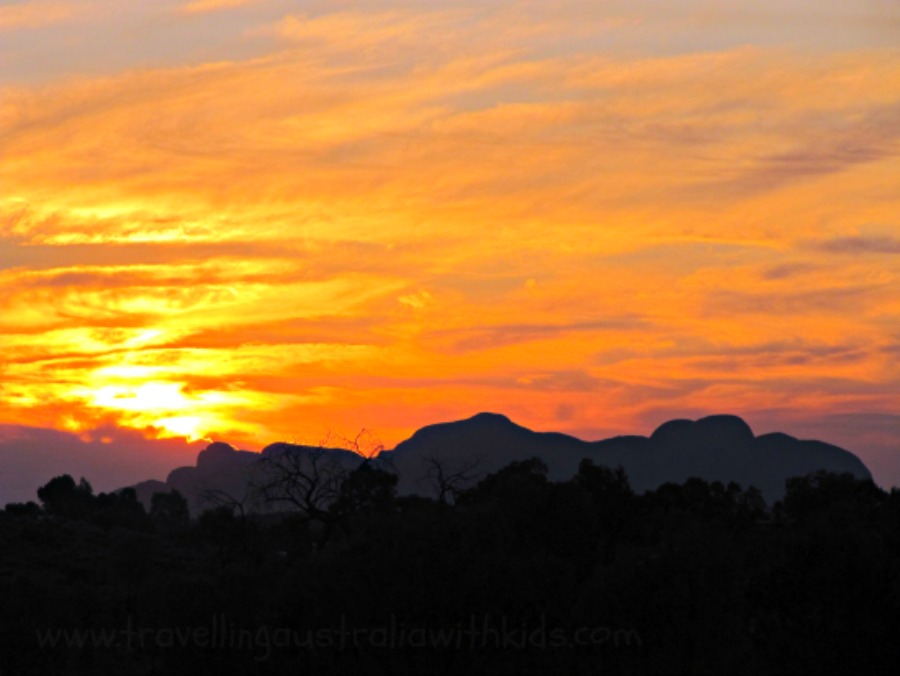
[[36, 13], [208, 6], [861, 245], [490, 337], [836, 300], [787, 270]]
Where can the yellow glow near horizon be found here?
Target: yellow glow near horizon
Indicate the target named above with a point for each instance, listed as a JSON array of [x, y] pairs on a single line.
[[166, 407]]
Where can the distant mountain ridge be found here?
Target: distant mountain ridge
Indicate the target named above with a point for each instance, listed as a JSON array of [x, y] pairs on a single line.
[[714, 448]]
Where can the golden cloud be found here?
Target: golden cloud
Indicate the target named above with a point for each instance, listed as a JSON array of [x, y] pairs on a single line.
[[35, 13], [209, 6]]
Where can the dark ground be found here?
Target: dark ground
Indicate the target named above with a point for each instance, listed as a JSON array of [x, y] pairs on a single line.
[[516, 576]]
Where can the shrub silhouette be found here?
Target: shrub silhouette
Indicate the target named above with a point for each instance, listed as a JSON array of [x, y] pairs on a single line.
[[23, 509], [366, 488], [63, 497], [169, 509]]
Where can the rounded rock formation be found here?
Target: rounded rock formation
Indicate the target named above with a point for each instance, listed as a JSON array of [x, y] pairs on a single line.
[[215, 454]]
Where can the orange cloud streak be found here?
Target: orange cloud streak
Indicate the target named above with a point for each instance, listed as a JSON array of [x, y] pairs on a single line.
[[35, 13]]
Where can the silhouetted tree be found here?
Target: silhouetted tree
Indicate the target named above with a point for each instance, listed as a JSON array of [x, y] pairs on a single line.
[[23, 509], [120, 508], [170, 508], [232, 534], [219, 499], [611, 503], [516, 499], [604, 484], [62, 496], [511, 482], [447, 478], [824, 491], [365, 488], [364, 444], [307, 482], [306, 479]]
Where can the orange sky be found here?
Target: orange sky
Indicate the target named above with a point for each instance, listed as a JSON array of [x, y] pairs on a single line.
[[259, 220]]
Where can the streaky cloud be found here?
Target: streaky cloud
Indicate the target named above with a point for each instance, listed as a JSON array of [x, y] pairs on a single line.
[[860, 245]]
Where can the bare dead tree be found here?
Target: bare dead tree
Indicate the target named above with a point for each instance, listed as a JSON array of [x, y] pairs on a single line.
[[446, 478], [364, 444], [216, 497], [301, 478], [308, 480], [231, 534]]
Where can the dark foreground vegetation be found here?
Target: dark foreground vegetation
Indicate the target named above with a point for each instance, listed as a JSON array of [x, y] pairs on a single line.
[[517, 575]]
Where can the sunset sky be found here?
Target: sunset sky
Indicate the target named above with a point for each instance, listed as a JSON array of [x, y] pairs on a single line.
[[261, 220]]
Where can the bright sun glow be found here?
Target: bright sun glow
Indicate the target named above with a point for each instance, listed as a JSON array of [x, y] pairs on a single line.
[[147, 398], [164, 406], [189, 427]]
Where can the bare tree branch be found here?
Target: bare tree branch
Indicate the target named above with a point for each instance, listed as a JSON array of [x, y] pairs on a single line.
[[305, 478], [364, 444], [216, 497], [446, 478]]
